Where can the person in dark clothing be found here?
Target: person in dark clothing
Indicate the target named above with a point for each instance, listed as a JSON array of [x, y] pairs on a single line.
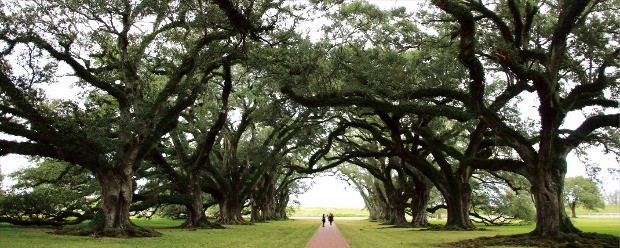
[[323, 220], [331, 218]]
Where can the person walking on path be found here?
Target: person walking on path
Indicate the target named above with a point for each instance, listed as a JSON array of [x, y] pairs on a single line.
[[323, 220], [331, 218], [328, 238]]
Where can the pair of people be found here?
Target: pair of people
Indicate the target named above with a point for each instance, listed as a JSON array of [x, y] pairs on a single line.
[[330, 217]]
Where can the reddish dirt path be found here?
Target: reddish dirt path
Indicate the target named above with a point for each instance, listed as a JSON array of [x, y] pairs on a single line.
[[327, 237]]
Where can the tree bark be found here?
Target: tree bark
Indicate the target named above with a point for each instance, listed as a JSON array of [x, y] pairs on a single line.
[[196, 217], [397, 215], [419, 203], [397, 205], [281, 204], [231, 212], [458, 201], [573, 204], [116, 197], [551, 218]]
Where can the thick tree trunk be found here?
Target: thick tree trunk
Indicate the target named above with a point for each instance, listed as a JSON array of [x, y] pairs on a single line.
[[281, 204], [381, 202], [231, 212], [264, 208], [269, 209], [195, 208], [255, 215], [397, 215], [551, 218], [373, 211], [458, 199], [396, 206], [116, 198], [196, 217], [281, 213], [419, 203]]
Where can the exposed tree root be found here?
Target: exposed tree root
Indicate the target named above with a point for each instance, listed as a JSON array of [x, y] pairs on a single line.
[[91, 230], [96, 228], [235, 222], [435, 227], [203, 223]]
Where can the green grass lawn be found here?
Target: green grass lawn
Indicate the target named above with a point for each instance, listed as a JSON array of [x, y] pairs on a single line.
[[608, 209], [292, 233], [362, 234]]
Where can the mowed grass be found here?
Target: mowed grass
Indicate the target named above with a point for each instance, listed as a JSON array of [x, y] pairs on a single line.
[[369, 234], [291, 233], [607, 210]]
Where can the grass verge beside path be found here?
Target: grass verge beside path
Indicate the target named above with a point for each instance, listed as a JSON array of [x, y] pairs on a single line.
[[292, 233], [361, 234]]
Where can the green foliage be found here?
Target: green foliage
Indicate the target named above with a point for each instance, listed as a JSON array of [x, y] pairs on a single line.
[[498, 203], [583, 192], [519, 206], [175, 212], [45, 206], [52, 193]]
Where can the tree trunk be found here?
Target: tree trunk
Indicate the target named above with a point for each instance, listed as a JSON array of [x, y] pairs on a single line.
[[551, 218], [396, 206], [270, 209], [116, 198], [373, 211], [231, 212], [458, 199], [397, 215], [196, 217], [281, 204], [573, 205], [255, 213], [419, 202], [381, 202]]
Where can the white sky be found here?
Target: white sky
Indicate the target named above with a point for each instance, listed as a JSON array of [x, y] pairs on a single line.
[[330, 192]]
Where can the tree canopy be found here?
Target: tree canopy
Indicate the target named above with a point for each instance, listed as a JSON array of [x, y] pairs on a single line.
[[193, 104], [580, 191]]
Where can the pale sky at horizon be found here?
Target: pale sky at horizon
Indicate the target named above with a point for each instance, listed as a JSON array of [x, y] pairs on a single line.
[[330, 192]]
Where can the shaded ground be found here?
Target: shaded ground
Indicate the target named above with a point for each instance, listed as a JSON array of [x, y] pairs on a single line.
[[583, 240], [327, 237]]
